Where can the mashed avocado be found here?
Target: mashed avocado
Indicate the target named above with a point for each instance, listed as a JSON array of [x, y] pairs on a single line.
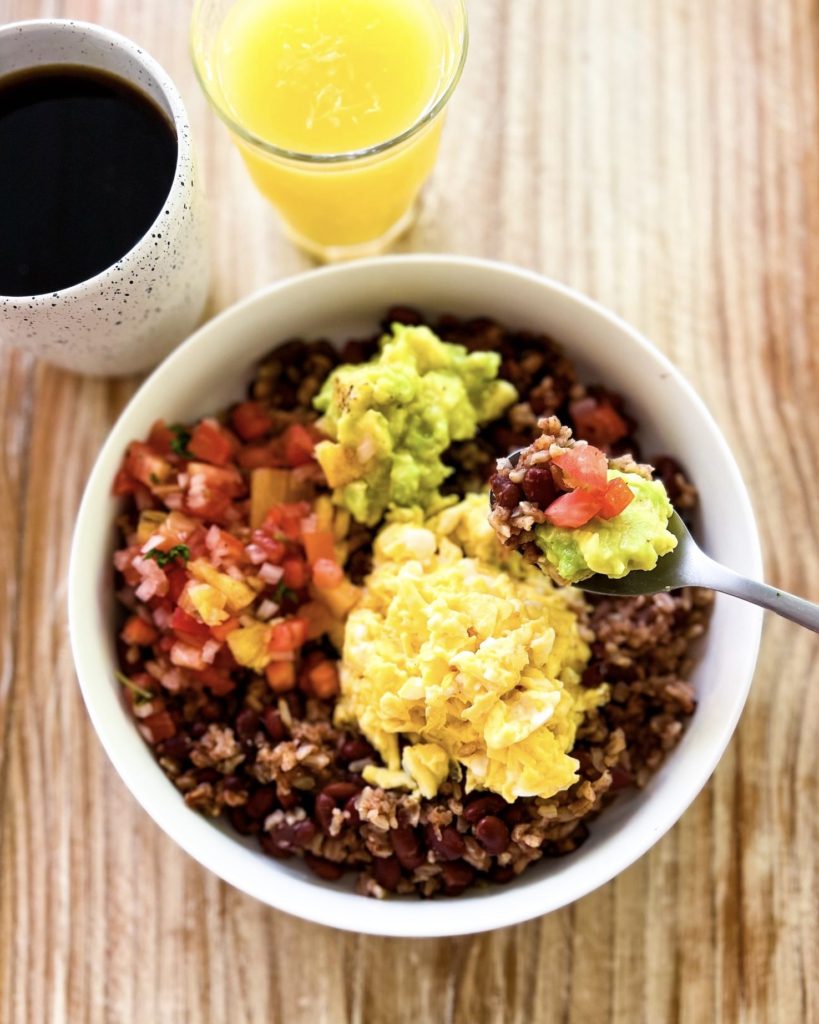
[[634, 539], [392, 418], [469, 655]]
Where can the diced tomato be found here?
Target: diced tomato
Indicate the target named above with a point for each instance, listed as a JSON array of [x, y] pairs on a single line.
[[318, 618], [138, 632], [584, 467], [251, 421], [597, 421], [217, 680], [323, 680], [318, 545], [221, 631], [145, 465], [327, 574], [574, 509], [211, 443], [281, 676], [160, 438], [298, 445], [157, 727], [288, 635], [227, 479], [296, 573], [211, 490], [259, 456], [124, 483], [616, 497], [182, 623], [177, 578], [287, 519], [274, 550], [224, 545]]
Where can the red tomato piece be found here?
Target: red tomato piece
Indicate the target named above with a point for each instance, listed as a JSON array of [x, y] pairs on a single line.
[[211, 443], [574, 509], [259, 456], [287, 519], [138, 632], [327, 574], [584, 468], [124, 483], [288, 635], [217, 681], [157, 727], [296, 573], [318, 545], [210, 490], [145, 465], [616, 497], [223, 629], [177, 578], [597, 421], [160, 438], [251, 421], [323, 680], [182, 623], [281, 676], [225, 545], [298, 445], [227, 479], [274, 550]]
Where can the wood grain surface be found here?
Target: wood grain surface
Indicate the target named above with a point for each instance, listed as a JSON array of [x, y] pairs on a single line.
[[663, 156]]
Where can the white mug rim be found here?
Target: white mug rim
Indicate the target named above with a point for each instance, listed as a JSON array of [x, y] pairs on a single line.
[[178, 116]]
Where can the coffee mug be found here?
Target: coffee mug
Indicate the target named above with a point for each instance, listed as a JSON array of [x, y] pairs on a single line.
[[126, 318]]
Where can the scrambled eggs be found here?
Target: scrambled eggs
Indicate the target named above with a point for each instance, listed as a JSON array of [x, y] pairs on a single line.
[[468, 654]]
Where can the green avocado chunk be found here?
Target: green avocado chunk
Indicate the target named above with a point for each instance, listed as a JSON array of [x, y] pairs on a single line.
[[392, 418], [634, 539]]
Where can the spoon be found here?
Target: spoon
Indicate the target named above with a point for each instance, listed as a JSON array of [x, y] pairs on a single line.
[[688, 566]]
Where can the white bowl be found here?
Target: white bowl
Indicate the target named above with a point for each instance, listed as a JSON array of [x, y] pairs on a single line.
[[212, 368]]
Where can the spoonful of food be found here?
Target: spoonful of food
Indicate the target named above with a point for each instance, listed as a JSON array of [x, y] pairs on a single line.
[[608, 528]]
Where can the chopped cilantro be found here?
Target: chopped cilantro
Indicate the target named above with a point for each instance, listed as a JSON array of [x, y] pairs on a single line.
[[162, 558], [143, 695], [179, 441], [154, 478], [283, 593]]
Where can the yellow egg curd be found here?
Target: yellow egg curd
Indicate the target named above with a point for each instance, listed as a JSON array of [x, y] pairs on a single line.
[[471, 656]]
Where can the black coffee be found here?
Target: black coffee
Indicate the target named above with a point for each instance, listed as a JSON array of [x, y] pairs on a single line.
[[86, 163]]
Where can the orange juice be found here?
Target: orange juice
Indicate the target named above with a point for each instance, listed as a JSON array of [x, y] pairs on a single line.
[[304, 82]]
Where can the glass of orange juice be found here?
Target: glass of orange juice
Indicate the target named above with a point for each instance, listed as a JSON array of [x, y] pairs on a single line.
[[336, 106]]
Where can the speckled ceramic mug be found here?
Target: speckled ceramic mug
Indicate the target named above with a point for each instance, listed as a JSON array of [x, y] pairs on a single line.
[[126, 318]]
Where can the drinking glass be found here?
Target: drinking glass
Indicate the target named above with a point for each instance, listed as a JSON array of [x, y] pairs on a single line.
[[338, 205]]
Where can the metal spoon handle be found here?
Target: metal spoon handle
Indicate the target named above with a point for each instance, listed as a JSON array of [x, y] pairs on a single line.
[[717, 577]]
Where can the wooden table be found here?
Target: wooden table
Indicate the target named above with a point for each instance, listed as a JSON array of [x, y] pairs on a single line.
[[663, 156]]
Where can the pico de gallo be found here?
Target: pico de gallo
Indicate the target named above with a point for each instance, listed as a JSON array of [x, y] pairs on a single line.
[[234, 560]]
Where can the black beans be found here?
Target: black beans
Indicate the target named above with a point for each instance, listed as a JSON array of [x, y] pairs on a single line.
[[539, 486], [492, 834], [407, 848], [450, 846], [476, 809], [274, 725], [355, 749], [325, 869], [506, 493], [387, 872], [330, 798], [262, 802], [247, 722], [457, 875]]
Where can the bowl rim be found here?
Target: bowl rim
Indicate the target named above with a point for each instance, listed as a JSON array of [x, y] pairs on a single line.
[[326, 904]]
